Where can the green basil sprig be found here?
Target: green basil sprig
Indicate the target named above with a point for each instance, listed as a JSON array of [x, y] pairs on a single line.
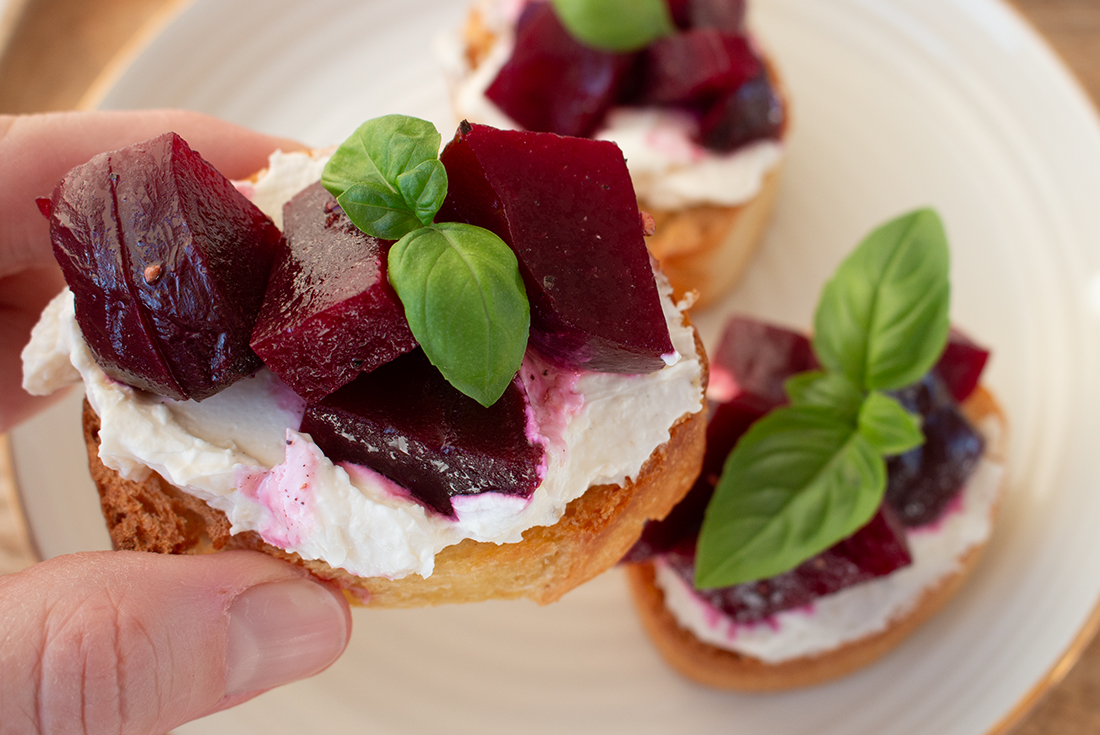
[[882, 320], [387, 177], [615, 25], [810, 474], [460, 285]]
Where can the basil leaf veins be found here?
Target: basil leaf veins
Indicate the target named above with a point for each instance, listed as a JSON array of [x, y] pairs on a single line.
[[808, 475], [882, 320], [798, 481], [615, 25], [387, 176], [887, 426], [465, 303], [830, 390], [459, 284]]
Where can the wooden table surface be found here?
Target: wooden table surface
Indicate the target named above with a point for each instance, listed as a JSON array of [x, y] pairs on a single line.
[[55, 49]]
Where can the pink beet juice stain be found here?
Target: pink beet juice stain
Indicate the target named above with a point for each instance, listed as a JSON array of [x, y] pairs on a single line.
[[286, 491]]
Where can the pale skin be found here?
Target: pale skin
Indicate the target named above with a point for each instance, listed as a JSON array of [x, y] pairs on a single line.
[[128, 642]]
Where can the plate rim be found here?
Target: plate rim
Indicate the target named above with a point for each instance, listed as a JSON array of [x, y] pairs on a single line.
[[130, 51]]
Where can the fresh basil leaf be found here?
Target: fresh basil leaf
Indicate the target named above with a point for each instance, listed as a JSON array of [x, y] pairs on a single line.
[[796, 483], [615, 25], [882, 320], [378, 210], [465, 303], [828, 390], [888, 427], [387, 176], [424, 188]]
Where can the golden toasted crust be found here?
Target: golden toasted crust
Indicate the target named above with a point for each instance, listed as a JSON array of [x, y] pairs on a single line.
[[596, 530], [707, 248], [724, 669], [703, 248]]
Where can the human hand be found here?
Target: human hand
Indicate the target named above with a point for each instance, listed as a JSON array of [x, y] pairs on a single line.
[[139, 643], [130, 642]]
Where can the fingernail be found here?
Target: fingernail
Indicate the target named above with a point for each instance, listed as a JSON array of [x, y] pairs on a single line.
[[281, 632]]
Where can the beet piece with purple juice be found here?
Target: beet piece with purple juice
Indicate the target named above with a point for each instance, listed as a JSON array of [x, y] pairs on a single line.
[[680, 12], [553, 83], [875, 550], [329, 312], [167, 262], [696, 65], [725, 15], [757, 358], [960, 367], [750, 112], [567, 209], [922, 482], [403, 420]]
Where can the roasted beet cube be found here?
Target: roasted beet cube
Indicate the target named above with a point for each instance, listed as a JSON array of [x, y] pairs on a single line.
[[553, 83], [696, 65], [680, 11], [329, 312], [922, 482], [725, 15], [875, 550], [751, 112], [168, 263], [403, 420], [757, 358], [567, 208], [960, 367]]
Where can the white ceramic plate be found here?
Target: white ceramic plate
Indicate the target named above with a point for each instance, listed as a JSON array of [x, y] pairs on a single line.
[[953, 103]]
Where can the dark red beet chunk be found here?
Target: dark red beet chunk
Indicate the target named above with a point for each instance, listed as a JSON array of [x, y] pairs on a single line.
[[167, 262], [680, 10], [724, 15], [875, 550], [696, 65], [330, 312], [756, 357], [961, 365], [406, 422], [553, 83], [751, 112], [922, 482], [566, 206]]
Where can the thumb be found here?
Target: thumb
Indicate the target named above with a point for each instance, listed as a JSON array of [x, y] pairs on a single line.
[[131, 642]]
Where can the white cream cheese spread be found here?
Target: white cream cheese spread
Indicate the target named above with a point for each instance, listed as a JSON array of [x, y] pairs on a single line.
[[669, 169], [863, 609], [240, 452]]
